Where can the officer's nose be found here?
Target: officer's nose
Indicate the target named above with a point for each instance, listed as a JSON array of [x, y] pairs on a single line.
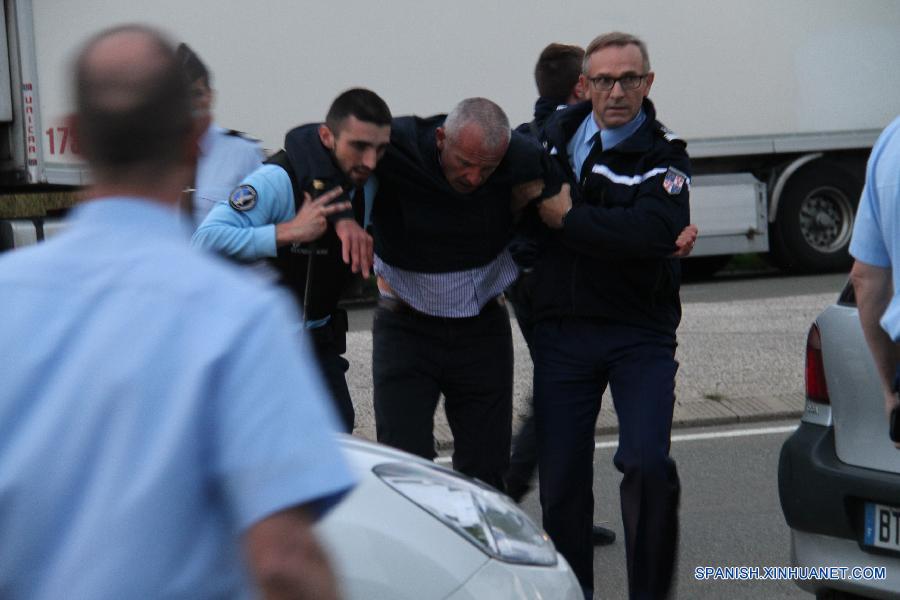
[[370, 159], [617, 90]]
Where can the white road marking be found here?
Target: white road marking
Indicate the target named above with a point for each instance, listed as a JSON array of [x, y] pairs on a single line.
[[689, 437]]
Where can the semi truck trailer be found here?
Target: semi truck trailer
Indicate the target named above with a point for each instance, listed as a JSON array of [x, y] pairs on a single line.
[[779, 101]]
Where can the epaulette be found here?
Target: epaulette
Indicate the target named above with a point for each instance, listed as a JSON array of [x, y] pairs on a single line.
[[669, 135], [241, 134]]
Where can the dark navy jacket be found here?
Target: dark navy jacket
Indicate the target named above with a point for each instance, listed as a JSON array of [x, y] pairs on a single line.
[[305, 159], [422, 224], [610, 260]]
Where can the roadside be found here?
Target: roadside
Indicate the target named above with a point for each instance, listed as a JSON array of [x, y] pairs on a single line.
[[741, 352]]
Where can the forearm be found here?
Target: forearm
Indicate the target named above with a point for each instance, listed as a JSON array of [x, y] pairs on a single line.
[[873, 293], [287, 561], [621, 232], [242, 243]]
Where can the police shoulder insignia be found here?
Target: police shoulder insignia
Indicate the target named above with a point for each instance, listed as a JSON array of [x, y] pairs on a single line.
[[674, 181], [243, 198]]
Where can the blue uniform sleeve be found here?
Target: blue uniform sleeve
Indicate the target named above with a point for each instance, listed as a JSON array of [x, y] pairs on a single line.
[[274, 429], [868, 244], [647, 228], [250, 234]]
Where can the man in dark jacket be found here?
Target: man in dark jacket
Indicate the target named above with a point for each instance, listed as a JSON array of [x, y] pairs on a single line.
[[442, 222], [315, 246], [607, 307]]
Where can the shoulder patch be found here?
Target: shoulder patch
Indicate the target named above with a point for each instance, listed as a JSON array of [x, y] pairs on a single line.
[[668, 134], [673, 181], [243, 198]]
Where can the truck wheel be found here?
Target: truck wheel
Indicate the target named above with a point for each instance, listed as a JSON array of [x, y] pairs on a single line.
[[811, 232]]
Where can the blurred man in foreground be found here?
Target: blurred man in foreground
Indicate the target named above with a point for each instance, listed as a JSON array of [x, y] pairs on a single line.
[[145, 446]]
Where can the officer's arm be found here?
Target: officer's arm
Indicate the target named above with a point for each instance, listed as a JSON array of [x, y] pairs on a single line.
[[285, 558], [244, 228], [646, 229]]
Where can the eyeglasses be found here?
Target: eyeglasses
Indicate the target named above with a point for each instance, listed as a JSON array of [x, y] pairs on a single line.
[[602, 83]]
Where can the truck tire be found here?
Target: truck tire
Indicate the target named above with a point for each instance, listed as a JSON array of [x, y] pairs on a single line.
[[812, 228]]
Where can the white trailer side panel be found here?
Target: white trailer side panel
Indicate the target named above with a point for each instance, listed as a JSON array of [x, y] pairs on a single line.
[[725, 68]]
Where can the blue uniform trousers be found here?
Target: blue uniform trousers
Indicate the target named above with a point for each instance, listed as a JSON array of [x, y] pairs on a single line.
[[574, 360]]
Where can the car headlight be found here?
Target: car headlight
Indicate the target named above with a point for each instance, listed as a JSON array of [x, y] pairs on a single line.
[[479, 513]]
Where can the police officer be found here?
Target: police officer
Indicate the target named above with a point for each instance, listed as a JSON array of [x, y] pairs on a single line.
[[274, 214], [607, 307], [875, 274], [226, 155]]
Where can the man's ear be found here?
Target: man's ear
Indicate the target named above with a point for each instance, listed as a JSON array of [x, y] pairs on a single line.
[[440, 135], [648, 84], [579, 90], [326, 136]]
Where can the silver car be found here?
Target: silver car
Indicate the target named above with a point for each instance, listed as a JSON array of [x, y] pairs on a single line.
[[839, 473], [412, 530]]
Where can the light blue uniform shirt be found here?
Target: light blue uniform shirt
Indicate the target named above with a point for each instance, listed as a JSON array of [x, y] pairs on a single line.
[[250, 235], [224, 160], [142, 427], [580, 144], [876, 233]]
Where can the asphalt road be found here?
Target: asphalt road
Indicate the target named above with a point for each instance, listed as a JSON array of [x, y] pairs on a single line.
[[741, 351], [730, 512]]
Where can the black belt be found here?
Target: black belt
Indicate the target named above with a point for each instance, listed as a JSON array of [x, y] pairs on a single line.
[[395, 305]]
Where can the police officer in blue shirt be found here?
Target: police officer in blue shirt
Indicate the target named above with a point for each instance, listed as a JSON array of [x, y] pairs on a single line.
[[275, 214], [226, 155], [876, 274], [153, 446]]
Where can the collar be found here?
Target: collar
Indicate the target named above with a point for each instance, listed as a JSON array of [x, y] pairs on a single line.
[[564, 123], [544, 107], [614, 136], [138, 216], [206, 140]]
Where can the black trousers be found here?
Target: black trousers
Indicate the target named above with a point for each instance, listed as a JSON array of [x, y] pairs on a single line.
[[575, 359], [416, 357], [329, 343]]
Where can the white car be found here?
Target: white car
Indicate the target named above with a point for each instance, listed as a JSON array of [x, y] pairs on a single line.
[[414, 530], [839, 473]]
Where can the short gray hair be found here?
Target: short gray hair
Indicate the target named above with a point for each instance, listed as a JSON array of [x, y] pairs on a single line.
[[484, 113], [615, 38]]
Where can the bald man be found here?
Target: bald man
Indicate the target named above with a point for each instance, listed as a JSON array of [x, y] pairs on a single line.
[[141, 456]]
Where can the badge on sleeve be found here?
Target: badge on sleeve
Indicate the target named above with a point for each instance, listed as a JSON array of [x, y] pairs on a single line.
[[674, 181], [243, 198]]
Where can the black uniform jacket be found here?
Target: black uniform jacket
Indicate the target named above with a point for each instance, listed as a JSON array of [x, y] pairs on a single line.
[[611, 259], [306, 161], [422, 224]]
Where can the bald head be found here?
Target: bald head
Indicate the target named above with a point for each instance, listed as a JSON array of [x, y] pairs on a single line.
[[132, 102]]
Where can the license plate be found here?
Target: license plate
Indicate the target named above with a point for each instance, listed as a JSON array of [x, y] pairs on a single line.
[[882, 526]]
